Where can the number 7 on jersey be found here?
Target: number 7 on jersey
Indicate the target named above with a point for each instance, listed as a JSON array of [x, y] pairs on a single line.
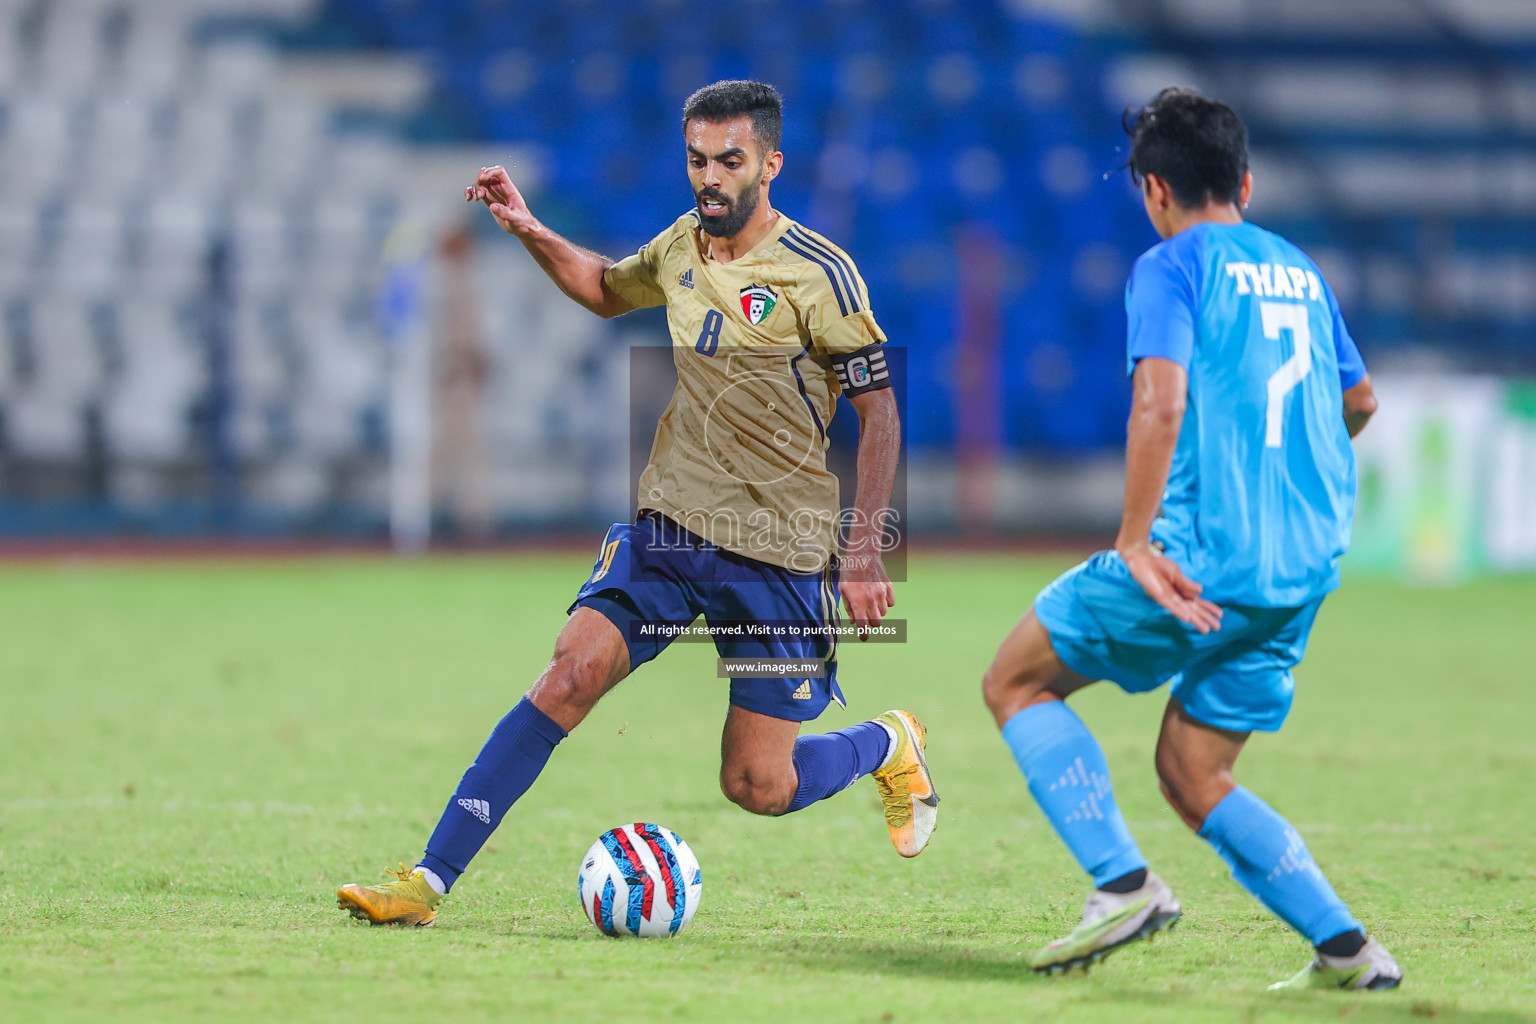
[[1277, 317]]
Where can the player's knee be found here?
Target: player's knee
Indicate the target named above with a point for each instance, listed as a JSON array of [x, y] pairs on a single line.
[[1000, 687], [1190, 792], [1006, 690], [992, 688], [755, 794], [573, 681]]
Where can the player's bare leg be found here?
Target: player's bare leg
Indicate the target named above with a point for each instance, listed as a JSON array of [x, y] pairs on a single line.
[[1026, 671], [757, 770], [1024, 689], [1267, 855], [590, 659], [1194, 764]]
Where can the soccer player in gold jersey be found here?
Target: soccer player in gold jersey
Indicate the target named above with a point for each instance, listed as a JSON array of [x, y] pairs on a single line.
[[738, 514]]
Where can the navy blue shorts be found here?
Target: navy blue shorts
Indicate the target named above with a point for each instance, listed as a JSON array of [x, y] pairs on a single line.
[[652, 573], [1104, 626]]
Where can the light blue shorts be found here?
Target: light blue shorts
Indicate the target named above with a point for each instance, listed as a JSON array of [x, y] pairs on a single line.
[[1104, 626]]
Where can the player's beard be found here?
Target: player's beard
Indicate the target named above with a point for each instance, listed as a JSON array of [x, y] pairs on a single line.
[[737, 211]]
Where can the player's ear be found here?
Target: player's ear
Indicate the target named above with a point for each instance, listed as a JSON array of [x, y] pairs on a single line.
[[1157, 191], [772, 164], [1247, 190]]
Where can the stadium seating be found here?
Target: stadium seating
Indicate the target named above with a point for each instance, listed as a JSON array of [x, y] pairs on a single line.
[[944, 144]]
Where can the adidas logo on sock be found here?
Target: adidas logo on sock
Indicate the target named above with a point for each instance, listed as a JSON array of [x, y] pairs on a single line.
[[479, 808], [803, 692]]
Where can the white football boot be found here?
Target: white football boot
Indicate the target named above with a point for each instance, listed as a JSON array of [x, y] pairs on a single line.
[[1111, 920], [1371, 968]]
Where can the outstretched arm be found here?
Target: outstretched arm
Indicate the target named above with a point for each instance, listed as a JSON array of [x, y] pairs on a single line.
[[578, 271], [865, 586], [1157, 412]]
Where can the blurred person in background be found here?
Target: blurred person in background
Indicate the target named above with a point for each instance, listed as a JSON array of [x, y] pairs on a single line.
[[461, 468], [738, 514], [1240, 488]]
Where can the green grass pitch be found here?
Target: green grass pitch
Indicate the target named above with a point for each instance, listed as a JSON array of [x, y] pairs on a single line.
[[193, 756]]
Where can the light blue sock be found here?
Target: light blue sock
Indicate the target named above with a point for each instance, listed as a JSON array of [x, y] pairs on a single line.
[[1268, 858], [1069, 778]]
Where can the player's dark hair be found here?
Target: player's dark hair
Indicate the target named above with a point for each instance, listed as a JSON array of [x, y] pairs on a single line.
[[723, 101], [1195, 144]]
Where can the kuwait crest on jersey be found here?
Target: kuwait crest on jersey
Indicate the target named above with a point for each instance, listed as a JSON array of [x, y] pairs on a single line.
[[757, 302]]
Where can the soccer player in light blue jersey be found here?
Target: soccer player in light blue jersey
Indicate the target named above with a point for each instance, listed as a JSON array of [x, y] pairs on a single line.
[[1240, 487]]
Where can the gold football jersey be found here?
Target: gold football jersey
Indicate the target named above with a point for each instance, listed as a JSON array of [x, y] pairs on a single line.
[[740, 452]]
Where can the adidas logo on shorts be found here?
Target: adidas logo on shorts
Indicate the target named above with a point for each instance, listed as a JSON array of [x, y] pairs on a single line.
[[802, 692], [479, 808]]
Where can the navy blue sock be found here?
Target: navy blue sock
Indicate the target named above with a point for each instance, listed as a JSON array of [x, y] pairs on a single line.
[[507, 765], [1069, 778], [831, 762], [1268, 858], [1345, 944], [1128, 882]]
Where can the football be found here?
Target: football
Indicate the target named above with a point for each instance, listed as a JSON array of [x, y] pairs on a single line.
[[640, 880]]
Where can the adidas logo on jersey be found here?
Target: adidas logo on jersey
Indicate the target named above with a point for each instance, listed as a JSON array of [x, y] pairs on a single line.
[[686, 280], [802, 692], [479, 808]]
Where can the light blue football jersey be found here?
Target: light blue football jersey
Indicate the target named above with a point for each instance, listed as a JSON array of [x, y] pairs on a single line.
[[1262, 488]]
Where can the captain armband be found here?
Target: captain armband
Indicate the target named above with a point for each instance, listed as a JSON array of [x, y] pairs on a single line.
[[862, 370]]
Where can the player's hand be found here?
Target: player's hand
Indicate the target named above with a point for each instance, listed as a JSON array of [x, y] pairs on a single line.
[[1166, 584], [494, 188], [867, 591]]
